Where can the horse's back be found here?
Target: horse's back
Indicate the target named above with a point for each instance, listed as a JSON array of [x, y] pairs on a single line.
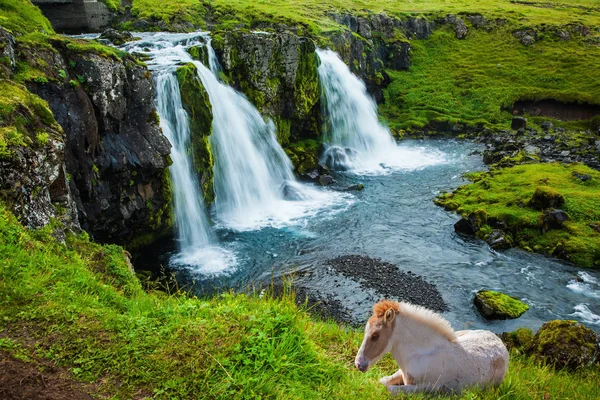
[[484, 356]]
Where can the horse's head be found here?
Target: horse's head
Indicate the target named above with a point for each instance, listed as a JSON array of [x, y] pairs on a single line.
[[378, 335]]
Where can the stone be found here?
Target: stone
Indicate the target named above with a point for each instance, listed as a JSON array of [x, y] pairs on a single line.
[[7, 48], [563, 35], [582, 177], [519, 339], [497, 240], [116, 37], [478, 21], [565, 344], [545, 197], [469, 225], [326, 180], [527, 40], [460, 28], [518, 123], [496, 305], [554, 219], [547, 125], [339, 159]]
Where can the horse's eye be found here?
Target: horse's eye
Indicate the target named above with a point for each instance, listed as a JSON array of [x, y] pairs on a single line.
[[374, 337]]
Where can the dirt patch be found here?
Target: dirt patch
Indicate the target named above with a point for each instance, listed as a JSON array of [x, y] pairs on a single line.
[[556, 109], [21, 380]]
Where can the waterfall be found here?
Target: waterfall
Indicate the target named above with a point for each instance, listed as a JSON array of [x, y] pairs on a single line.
[[254, 182], [356, 138], [196, 241]]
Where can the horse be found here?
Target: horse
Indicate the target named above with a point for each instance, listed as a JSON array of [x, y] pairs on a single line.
[[432, 356]]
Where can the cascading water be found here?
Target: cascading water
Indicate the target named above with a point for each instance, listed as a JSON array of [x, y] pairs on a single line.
[[357, 140], [253, 177], [195, 238]]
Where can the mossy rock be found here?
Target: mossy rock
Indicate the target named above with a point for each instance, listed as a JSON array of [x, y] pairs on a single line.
[[197, 104], [545, 197], [496, 305], [566, 344], [517, 340], [199, 53], [304, 155]]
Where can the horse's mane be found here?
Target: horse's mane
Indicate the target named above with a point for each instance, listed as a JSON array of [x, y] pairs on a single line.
[[419, 314]]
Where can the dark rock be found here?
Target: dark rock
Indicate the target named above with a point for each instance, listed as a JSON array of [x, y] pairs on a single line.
[[7, 49], [546, 197], [116, 37], [478, 21], [116, 155], [554, 219], [528, 40], [565, 344], [497, 240], [547, 125], [419, 28], [292, 191], [339, 159], [518, 123], [595, 226], [326, 180], [496, 305], [563, 35], [364, 28], [352, 188], [468, 226], [582, 177]]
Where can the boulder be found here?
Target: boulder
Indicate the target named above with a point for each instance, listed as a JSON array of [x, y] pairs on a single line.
[[545, 197], [471, 224], [518, 123], [326, 180], [497, 240], [565, 344], [496, 305], [582, 177], [116, 37], [517, 340], [528, 40], [554, 219], [339, 158]]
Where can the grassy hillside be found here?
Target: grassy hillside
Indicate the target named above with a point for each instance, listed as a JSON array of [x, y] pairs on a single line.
[[76, 306]]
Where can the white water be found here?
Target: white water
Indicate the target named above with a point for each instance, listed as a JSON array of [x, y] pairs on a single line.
[[357, 140], [253, 177], [586, 285], [586, 315], [196, 241]]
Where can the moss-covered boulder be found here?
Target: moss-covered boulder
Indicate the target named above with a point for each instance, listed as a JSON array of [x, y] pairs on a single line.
[[304, 155], [518, 340], [496, 305], [546, 197], [278, 74], [197, 103], [566, 344]]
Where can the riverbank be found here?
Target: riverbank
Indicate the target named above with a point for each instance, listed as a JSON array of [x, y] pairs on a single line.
[[73, 315]]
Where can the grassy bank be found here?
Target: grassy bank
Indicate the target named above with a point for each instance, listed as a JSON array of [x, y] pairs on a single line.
[[506, 196], [77, 306]]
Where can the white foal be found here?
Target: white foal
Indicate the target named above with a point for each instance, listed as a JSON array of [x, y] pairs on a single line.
[[430, 354]]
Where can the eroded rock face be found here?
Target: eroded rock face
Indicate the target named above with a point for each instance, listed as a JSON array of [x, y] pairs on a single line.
[[278, 73], [115, 153], [371, 44]]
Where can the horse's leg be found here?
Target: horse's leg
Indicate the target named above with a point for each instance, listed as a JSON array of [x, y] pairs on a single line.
[[396, 379]]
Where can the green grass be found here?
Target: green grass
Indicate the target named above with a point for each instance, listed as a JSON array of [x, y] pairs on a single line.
[[504, 195], [462, 81], [78, 305], [21, 17]]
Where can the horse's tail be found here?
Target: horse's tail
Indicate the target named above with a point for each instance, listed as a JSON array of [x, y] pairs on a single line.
[[500, 366]]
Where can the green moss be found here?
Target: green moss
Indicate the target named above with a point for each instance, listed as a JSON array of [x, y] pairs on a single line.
[[499, 305], [199, 53], [24, 116], [197, 103], [304, 155], [505, 195], [21, 17], [545, 197], [565, 344]]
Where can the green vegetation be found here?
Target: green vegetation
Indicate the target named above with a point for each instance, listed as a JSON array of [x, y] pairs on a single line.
[[79, 305], [455, 81], [21, 17], [304, 155], [170, 13], [197, 104], [499, 305], [24, 119], [506, 196]]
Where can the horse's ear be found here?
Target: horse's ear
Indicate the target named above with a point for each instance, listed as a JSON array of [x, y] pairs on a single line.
[[389, 315]]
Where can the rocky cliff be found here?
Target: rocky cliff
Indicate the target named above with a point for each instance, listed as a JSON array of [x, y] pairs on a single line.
[[278, 73], [101, 145]]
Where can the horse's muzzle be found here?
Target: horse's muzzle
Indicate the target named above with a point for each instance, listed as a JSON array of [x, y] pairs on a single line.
[[361, 364]]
